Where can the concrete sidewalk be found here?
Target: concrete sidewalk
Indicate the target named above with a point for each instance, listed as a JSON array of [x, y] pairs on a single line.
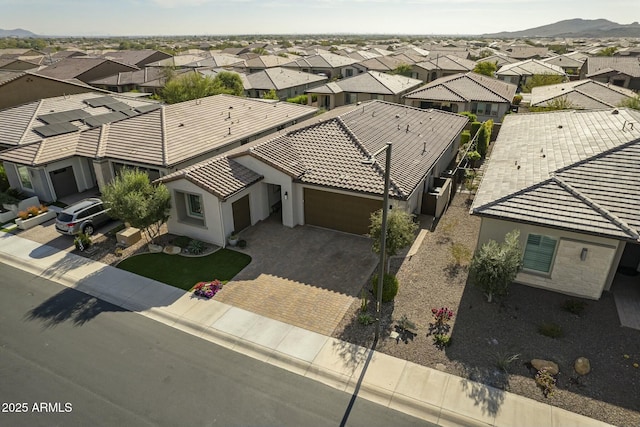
[[417, 390]]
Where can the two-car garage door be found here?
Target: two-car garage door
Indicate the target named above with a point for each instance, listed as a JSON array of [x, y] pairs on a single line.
[[337, 211]]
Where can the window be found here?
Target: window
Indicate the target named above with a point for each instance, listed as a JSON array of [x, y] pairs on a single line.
[[349, 72], [194, 203], [25, 179], [538, 253], [350, 98]]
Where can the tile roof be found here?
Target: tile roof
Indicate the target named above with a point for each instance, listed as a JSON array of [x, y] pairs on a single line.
[[582, 94], [330, 153], [381, 63], [322, 60], [217, 61], [469, 87], [178, 61], [267, 61], [72, 67], [449, 63], [574, 170], [279, 78], [371, 82], [564, 61], [529, 67], [599, 64], [132, 57], [176, 133], [223, 177], [17, 123], [131, 77]]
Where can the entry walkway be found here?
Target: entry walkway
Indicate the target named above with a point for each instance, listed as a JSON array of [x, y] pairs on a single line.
[[423, 392]]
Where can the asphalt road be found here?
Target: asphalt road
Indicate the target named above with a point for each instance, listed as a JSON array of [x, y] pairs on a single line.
[[69, 359]]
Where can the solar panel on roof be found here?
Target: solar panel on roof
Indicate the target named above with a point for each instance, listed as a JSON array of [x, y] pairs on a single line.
[[101, 102], [64, 116], [55, 129], [147, 108], [101, 119], [119, 106]]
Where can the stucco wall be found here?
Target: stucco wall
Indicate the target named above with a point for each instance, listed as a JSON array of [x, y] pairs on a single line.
[[569, 274]]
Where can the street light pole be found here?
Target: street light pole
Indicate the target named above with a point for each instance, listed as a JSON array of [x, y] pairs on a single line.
[[383, 238]]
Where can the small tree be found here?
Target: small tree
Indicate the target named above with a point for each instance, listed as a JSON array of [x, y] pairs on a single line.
[[132, 198], [542, 80], [495, 265], [482, 142], [403, 70], [633, 103], [270, 95], [607, 51], [486, 68], [194, 85], [400, 232]]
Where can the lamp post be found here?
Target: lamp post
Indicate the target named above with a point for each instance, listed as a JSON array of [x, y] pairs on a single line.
[[383, 231]]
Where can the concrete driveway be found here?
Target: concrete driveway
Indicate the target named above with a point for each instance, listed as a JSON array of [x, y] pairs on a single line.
[[305, 276]]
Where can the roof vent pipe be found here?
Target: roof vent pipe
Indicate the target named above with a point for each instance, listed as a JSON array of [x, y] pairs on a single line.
[[229, 131]]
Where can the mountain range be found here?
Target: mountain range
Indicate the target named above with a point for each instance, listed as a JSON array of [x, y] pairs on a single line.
[[575, 28], [18, 32]]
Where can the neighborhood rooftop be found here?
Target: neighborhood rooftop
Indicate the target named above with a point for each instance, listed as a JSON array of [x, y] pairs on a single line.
[[466, 88], [577, 170]]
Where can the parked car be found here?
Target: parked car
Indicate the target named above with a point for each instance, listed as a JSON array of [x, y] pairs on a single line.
[[82, 217]]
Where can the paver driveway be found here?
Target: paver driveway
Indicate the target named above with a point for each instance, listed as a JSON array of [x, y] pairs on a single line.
[[305, 276]]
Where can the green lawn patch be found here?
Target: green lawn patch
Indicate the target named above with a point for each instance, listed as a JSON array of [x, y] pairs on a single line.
[[184, 272]]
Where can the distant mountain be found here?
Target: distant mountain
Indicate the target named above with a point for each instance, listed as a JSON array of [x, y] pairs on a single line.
[[18, 32], [576, 28]]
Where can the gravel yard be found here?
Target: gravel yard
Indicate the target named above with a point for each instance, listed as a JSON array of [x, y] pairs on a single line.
[[483, 333]]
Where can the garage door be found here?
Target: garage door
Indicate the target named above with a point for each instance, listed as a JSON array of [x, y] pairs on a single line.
[[342, 212], [241, 213], [64, 181]]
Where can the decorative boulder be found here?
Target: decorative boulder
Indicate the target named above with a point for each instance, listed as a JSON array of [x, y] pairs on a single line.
[[547, 365], [582, 366]]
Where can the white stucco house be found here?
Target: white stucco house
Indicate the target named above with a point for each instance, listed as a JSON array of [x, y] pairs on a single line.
[[570, 182], [318, 174]]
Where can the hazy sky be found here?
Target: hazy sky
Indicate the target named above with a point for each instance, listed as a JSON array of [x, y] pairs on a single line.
[[199, 17]]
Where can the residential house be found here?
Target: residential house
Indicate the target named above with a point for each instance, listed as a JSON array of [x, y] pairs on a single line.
[[487, 97], [69, 152], [21, 87], [523, 52], [264, 62], [519, 73], [617, 70], [358, 55], [186, 60], [218, 61], [139, 58], [363, 87], [581, 95], [84, 69], [127, 81], [499, 60], [441, 66], [569, 63], [383, 64], [321, 174], [569, 181], [329, 64], [287, 83]]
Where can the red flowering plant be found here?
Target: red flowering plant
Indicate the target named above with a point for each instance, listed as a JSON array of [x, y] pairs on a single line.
[[439, 327], [207, 289]]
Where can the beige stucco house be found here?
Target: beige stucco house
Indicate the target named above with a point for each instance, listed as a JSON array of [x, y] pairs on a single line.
[[318, 173], [570, 182], [84, 143]]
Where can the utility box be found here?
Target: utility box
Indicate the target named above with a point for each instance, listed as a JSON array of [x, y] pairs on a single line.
[[128, 236]]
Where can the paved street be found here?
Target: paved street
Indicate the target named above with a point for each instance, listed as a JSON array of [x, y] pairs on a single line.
[[95, 364]]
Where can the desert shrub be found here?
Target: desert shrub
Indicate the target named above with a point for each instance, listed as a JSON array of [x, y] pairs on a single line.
[[195, 247], [574, 306], [472, 117], [82, 241], [44, 208], [546, 382], [475, 127], [300, 99], [465, 137], [389, 287], [482, 143], [242, 243], [549, 329], [460, 253], [4, 181], [442, 340], [473, 156], [23, 215], [365, 319], [7, 199], [503, 360], [33, 210], [517, 100], [181, 241]]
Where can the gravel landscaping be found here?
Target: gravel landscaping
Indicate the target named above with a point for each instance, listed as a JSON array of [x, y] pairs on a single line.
[[484, 336]]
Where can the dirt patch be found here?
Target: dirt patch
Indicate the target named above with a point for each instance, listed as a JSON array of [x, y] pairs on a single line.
[[483, 334]]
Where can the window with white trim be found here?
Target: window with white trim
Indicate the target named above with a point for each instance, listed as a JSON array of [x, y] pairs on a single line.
[[25, 179], [538, 253], [194, 205]]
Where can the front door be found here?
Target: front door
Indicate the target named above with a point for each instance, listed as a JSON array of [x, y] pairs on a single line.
[[241, 214], [64, 181]]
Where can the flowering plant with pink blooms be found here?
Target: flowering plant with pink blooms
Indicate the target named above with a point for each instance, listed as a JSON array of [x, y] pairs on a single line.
[[441, 315], [207, 289]]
